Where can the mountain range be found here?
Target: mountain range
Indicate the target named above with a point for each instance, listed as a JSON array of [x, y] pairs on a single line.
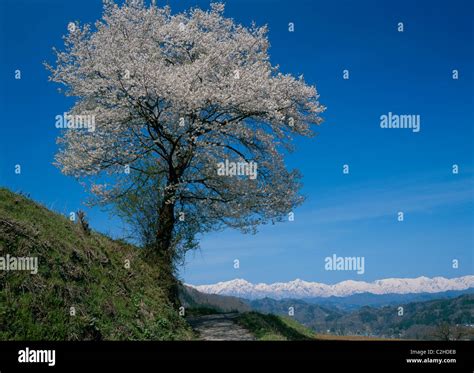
[[299, 289], [419, 308]]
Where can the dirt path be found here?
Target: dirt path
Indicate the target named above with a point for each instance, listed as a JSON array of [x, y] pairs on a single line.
[[219, 328]]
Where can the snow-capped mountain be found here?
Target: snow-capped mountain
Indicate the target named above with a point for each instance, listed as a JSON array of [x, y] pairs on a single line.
[[299, 289]]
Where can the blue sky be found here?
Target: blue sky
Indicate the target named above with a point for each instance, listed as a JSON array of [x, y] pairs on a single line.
[[391, 170]]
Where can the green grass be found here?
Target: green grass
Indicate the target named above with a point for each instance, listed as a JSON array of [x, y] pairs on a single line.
[[272, 327], [84, 271]]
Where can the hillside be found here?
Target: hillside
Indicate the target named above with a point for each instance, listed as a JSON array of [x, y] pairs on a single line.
[[274, 328], [191, 299], [314, 316], [420, 320], [356, 301], [86, 271]]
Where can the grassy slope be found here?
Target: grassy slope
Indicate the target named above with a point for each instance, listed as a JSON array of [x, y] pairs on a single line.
[[76, 270], [272, 327]]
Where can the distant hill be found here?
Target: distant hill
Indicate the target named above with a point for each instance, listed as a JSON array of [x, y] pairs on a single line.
[[83, 289], [435, 319], [191, 298], [420, 320], [356, 301], [311, 315]]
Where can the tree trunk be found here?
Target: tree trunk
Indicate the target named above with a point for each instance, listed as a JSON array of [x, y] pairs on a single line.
[[163, 253]]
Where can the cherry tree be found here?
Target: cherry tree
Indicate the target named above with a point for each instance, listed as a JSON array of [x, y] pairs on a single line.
[[174, 97]]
